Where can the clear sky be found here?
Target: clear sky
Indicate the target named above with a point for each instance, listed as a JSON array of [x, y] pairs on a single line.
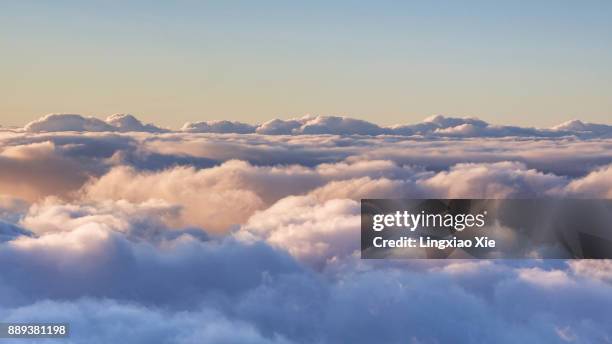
[[513, 62]]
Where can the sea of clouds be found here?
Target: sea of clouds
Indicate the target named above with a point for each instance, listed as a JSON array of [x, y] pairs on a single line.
[[226, 232]]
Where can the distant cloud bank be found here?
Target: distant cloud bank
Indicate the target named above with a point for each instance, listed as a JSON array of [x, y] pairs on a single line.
[[435, 126]]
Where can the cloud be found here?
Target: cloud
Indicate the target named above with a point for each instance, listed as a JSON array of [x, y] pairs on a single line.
[[312, 232], [214, 198], [279, 127], [203, 237], [190, 170], [67, 122], [544, 278], [73, 122], [597, 184], [435, 126], [127, 122], [564, 155], [323, 225], [36, 170], [96, 275], [584, 127], [386, 305], [218, 127], [145, 219], [219, 197], [600, 269], [234, 190], [337, 126], [125, 257], [566, 334], [366, 187], [497, 180]]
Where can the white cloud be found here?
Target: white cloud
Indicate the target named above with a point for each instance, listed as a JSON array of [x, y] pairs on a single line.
[[599, 269], [544, 278], [597, 184], [310, 231], [127, 122], [214, 199], [67, 122], [497, 180], [584, 127], [218, 127], [217, 198], [73, 122], [279, 127]]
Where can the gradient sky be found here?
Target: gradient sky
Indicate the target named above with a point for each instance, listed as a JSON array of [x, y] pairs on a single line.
[[523, 62]]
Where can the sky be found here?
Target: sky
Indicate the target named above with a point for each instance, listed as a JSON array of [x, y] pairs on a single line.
[[521, 62]]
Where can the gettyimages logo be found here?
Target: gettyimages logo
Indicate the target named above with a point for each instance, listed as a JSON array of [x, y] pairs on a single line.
[[423, 220]]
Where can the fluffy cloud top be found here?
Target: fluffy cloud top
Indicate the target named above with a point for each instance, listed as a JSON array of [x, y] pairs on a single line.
[[585, 127], [218, 127], [67, 122], [71, 122], [127, 122]]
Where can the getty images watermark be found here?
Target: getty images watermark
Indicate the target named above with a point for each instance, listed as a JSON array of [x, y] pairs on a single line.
[[486, 228]]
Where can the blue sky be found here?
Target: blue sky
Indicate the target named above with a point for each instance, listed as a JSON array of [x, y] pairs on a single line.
[[520, 62]]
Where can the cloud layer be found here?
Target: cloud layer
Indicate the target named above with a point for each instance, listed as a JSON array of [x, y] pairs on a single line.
[[228, 232], [439, 126]]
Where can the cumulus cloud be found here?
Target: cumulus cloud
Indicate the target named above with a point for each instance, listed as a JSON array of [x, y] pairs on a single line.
[[366, 187], [323, 225], [438, 125], [338, 126], [67, 122], [497, 180], [214, 198], [145, 219], [219, 197], [435, 126], [584, 127], [73, 122], [597, 184], [35, 170], [97, 257], [310, 231], [127, 122], [544, 278], [218, 127], [279, 127], [594, 269]]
